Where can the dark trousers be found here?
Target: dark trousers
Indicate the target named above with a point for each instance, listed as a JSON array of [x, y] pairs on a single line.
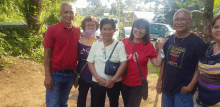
[[83, 91], [131, 95], [98, 94]]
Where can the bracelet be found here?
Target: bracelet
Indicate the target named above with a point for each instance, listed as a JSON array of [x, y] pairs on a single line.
[[162, 55]]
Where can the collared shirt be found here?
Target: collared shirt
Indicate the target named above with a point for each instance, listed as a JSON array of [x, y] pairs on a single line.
[[63, 43]]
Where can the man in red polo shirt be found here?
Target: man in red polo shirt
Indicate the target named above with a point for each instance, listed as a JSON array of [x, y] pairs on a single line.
[[60, 57]]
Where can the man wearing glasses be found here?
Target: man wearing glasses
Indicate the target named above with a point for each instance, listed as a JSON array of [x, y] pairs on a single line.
[[179, 72]]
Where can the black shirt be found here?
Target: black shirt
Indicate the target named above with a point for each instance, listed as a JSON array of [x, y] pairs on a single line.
[[181, 58]]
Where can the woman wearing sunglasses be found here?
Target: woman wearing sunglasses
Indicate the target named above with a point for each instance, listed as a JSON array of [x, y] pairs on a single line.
[[209, 66]]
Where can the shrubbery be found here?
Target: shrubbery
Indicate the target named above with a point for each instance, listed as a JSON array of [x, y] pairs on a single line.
[[26, 43]]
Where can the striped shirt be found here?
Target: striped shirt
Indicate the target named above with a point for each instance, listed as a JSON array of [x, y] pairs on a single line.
[[209, 68]]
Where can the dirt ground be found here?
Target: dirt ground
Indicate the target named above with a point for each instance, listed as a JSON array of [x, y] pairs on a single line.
[[22, 86]]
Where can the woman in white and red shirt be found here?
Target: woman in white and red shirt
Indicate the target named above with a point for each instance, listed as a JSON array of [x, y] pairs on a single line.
[[144, 49]]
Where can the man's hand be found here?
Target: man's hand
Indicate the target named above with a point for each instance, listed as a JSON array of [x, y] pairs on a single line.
[[159, 87], [101, 81], [48, 82], [186, 89], [161, 42], [110, 83]]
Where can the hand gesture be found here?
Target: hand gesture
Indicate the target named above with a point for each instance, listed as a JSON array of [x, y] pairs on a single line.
[[159, 87], [110, 83], [48, 82], [186, 89], [161, 42], [101, 81]]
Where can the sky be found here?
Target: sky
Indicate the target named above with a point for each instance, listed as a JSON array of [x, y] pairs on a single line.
[[84, 3]]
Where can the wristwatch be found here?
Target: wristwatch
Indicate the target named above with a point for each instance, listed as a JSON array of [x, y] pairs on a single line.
[[162, 55]]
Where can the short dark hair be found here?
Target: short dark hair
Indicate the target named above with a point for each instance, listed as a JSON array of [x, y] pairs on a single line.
[[107, 21], [141, 23], [215, 19], [88, 19]]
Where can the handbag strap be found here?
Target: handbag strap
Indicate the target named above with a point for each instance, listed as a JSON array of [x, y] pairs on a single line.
[[113, 51], [83, 67], [142, 78]]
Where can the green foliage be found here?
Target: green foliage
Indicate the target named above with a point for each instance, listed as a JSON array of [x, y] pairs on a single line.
[[5, 61], [27, 43], [121, 25], [52, 14], [78, 20], [10, 12], [216, 9], [216, 4], [152, 69]]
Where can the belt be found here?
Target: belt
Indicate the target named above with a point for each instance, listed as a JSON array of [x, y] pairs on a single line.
[[66, 71]]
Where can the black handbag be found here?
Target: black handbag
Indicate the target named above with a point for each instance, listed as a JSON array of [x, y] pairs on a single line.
[[144, 81], [111, 67], [77, 76]]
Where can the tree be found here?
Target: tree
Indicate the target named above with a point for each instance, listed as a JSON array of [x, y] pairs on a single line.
[[208, 15], [31, 10], [197, 9]]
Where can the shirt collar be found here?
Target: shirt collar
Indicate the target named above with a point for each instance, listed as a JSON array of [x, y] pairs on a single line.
[[64, 26]]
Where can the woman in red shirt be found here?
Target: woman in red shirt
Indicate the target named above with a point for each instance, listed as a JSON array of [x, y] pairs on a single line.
[[138, 43]]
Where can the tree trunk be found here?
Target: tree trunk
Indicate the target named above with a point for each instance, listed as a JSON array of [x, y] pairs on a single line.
[[207, 18], [32, 10]]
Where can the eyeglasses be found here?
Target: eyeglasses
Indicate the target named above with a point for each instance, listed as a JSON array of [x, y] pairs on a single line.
[[142, 30], [103, 49], [180, 19], [92, 25], [68, 12]]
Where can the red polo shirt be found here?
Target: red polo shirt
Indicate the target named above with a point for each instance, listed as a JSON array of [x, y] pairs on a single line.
[[63, 44]]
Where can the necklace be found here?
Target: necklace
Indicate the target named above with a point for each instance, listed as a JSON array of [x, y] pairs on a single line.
[[216, 48], [181, 40]]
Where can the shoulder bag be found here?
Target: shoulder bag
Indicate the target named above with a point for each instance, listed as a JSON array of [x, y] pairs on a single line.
[[144, 81], [77, 76], [111, 67]]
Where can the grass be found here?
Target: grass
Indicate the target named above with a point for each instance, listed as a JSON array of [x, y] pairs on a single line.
[[153, 71], [217, 105]]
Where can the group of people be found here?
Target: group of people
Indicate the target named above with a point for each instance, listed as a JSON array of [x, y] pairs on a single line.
[[183, 57]]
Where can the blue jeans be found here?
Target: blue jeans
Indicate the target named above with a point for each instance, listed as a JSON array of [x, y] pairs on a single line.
[[177, 100], [59, 94]]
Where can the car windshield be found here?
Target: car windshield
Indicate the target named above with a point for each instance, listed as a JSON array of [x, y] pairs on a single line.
[[128, 31]]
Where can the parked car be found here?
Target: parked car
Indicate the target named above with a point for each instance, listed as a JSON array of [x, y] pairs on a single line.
[[159, 30], [124, 32]]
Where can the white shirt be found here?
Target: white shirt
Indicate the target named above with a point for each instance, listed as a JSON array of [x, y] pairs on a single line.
[[99, 54]]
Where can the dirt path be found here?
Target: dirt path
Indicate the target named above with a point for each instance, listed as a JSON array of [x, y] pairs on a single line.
[[22, 85], [148, 103]]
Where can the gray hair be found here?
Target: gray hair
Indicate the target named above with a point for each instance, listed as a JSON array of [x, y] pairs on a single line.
[[183, 10], [71, 4]]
